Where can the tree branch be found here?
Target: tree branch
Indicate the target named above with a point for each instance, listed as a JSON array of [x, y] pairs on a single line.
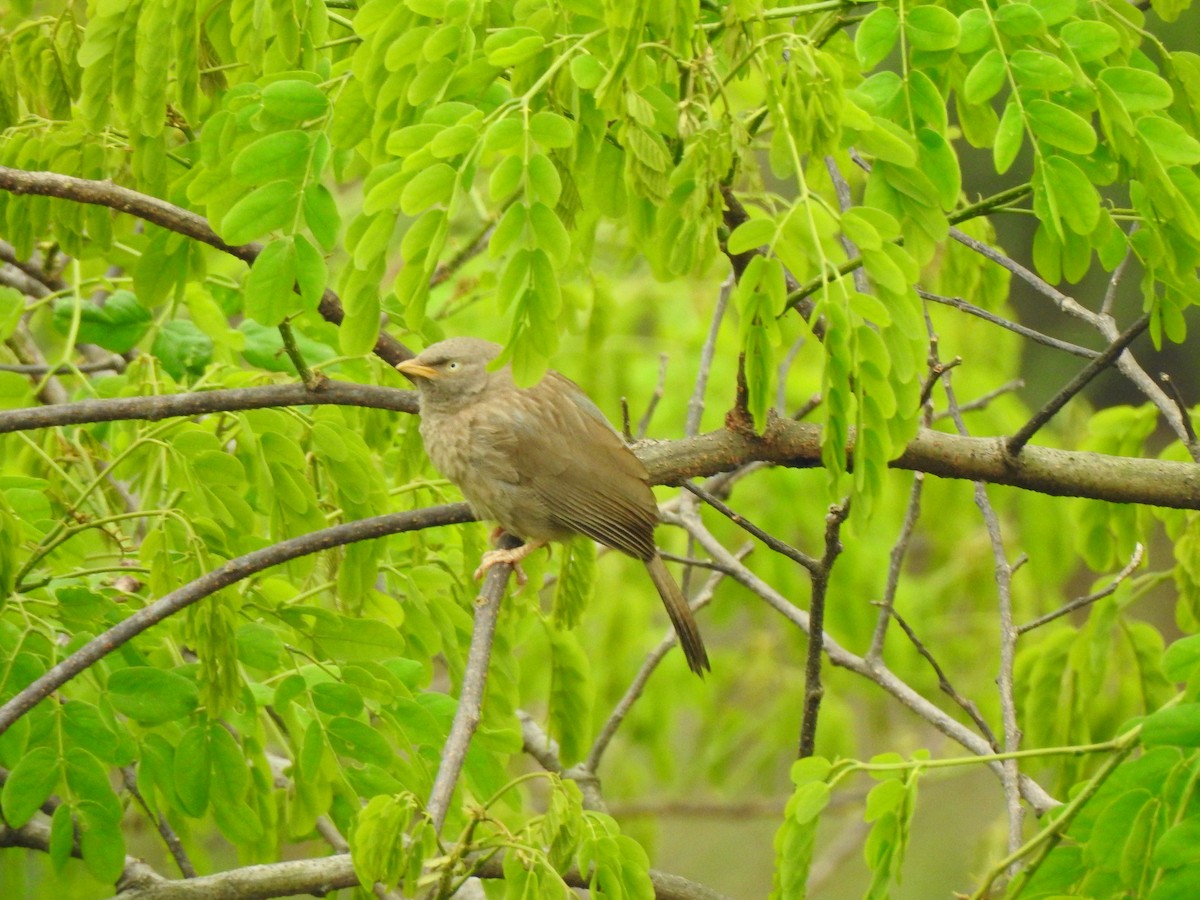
[[470, 698], [173, 218], [209, 583]]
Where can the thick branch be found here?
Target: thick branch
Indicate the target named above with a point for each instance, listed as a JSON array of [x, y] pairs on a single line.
[[1063, 473]]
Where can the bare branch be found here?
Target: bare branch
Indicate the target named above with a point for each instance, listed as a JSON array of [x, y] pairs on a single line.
[[1088, 599], [895, 562], [1015, 327], [1077, 384], [470, 699], [166, 406], [812, 564], [659, 390], [813, 690]]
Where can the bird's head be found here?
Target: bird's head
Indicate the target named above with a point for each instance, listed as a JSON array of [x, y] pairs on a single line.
[[451, 371]]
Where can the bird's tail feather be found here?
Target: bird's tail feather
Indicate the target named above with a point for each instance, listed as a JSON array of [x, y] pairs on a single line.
[[681, 615]]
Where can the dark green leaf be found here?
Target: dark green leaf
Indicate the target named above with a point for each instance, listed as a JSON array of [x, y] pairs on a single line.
[[28, 785], [117, 325], [1174, 725], [150, 695], [183, 349], [268, 287]]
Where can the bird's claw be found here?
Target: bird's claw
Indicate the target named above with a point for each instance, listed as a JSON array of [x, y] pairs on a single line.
[[503, 557]]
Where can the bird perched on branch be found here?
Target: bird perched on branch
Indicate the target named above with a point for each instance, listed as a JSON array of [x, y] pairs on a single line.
[[542, 462]]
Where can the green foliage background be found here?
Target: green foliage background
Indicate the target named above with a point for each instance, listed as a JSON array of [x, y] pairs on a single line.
[[573, 178]]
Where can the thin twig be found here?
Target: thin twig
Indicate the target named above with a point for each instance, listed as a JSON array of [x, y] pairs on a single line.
[[1076, 384], [165, 831], [813, 689], [895, 562], [945, 685], [1015, 327], [292, 349], [809, 562], [983, 401], [659, 391], [1185, 414], [1011, 774], [112, 364], [166, 406], [1088, 599]]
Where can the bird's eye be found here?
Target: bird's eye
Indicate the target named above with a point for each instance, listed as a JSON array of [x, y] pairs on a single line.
[[452, 365]]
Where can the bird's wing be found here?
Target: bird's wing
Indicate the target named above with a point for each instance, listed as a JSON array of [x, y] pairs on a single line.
[[576, 468]]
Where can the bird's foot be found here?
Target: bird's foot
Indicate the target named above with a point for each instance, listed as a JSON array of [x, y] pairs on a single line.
[[511, 557]]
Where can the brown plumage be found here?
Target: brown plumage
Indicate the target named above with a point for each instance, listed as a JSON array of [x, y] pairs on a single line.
[[542, 462]]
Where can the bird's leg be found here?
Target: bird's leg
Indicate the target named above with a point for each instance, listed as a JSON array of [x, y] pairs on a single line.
[[511, 557]]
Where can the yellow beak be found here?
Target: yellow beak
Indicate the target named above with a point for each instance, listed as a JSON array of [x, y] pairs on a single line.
[[410, 368]]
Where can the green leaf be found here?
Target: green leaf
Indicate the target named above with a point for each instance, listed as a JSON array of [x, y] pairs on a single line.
[[1137, 89], [1168, 141], [263, 209], [321, 215], [357, 640], [433, 185], [985, 78], [1090, 40], [294, 100], [12, 307], [889, 142], [1182, 658], [152, 696], [1077, 199], [576, 581], [29, 784], [549, 233], [1041, 71], [513, 45], [751, 234], [551, 130], [182, 348], [931, 28], [877, 35], [1019, 20], [360, 741], [193, 770], [117, 325], [1174, 725], [586, 71], [1060, 127], [268, 287], [284, 154], [1179, 845]]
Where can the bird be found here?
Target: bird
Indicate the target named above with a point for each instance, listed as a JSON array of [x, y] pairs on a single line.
[[542, 462]]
